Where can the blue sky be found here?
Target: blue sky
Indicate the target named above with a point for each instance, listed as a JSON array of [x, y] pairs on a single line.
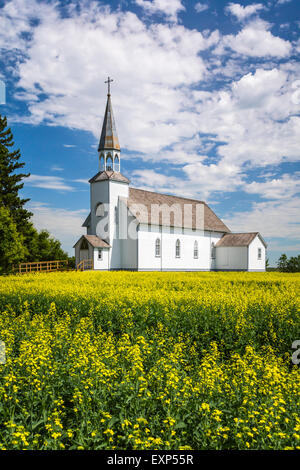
[[206, 97]]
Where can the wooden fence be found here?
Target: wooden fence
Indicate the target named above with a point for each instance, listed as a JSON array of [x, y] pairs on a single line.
[[85, 265], [44, 266]]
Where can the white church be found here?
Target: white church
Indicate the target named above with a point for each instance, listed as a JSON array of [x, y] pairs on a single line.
[[134, 229]]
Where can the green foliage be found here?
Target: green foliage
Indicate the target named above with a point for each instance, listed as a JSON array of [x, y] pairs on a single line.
[[20, 240], [43, 247], [135, 361], [11, 182], [71, 262], [12, 249], [289, 265]]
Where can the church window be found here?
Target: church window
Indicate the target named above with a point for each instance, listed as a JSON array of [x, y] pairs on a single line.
[[100, 254], [157, 248], [100, 210], [177, 250], [117, 163], [101, 162], [196, 250], [259, 253], [213, 251], [109, 163]]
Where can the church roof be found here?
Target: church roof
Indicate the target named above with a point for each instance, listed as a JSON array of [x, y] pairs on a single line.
[[238, 239], [109, 175], [188, 207], [109, 138], [95, 241]]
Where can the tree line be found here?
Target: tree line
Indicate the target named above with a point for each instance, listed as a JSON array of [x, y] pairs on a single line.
[[19, 239], [289, 265]]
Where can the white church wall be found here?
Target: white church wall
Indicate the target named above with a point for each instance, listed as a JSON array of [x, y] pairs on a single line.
[[99, 192], [168, 261], [116, 190], [232, 258], [108, 192], [103, 262], [129, 245], [256, 264]]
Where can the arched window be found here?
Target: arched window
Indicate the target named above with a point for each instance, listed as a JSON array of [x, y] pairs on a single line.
[[100, 210], [102, 166], [177, 250], [196, 253], [213, 250], [117, 163], [109, 163], [157, 248]]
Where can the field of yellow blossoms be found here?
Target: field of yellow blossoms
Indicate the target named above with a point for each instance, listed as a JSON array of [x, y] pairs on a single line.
[[123, 360]]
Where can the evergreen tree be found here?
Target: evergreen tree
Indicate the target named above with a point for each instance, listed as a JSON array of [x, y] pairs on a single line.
[[293, 264], [12, 249], [282, 263], [11, 182], [46, 248], [20, 240]]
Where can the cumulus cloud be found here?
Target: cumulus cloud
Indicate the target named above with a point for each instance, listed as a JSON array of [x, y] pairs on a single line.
[[255, 40], [284, 187], [203, 180], [170, 8], [153, 68], [63, 224], [274, 219], [200, 7], [241, 12]]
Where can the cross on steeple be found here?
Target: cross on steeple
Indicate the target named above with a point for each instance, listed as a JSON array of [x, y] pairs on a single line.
[[108, 81]]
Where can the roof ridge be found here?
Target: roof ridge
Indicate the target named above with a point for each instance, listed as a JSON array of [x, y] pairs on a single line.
[[169, 195]]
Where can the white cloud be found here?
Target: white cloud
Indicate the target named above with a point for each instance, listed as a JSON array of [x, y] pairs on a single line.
[[56, 168], [284, 187], [282, 2], [153, 67], [83, 181], [255, 40], [223, 177], [273, 219], [170, 8], [65, 225], [48, 182], [200, 7], [241, 12]]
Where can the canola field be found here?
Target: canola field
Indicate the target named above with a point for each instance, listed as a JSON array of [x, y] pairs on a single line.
[[123, 360]]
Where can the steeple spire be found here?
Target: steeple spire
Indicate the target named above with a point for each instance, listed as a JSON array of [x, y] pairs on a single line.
[[109, 138], [109, 147]]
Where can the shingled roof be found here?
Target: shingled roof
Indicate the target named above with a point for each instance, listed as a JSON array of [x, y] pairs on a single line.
[[238, 239], [109, 138], [140, 202], [95, 241], [109, 175]]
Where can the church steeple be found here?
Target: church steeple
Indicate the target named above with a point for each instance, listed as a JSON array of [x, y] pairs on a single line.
[[109, 147]]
